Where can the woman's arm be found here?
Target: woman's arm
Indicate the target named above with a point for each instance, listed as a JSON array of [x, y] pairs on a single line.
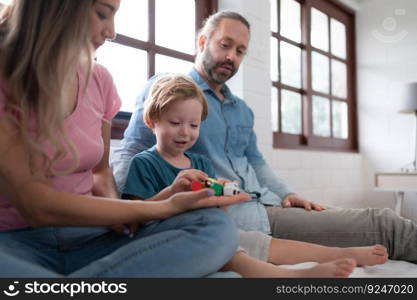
[[164, 194], [104, 184], [41, 205]]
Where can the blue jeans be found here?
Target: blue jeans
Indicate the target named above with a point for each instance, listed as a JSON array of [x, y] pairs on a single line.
[[192, 244]]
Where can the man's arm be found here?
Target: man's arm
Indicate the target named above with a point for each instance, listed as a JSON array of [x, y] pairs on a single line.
[[264, 173], [121, 157], [137, 138], [269, 179]]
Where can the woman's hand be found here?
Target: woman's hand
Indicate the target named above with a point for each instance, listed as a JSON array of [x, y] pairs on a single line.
[[185, 201], [223, 181]]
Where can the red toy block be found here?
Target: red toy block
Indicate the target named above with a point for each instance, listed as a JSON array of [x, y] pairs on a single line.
[[196, 185]]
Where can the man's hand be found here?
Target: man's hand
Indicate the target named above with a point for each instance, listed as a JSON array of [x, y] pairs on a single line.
[[293, 200]]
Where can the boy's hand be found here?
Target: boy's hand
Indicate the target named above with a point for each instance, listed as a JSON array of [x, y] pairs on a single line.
[[182, 182]]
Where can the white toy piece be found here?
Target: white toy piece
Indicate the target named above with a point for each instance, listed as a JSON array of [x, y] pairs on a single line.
[[230, 189]]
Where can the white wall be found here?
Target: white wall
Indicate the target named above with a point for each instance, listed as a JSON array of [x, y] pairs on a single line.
[[329, 178], [387, 59]]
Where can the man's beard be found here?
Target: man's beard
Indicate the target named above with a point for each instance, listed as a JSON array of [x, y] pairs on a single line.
[[210, 66]]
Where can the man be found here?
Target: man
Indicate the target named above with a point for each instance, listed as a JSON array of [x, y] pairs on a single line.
[[228, 139]]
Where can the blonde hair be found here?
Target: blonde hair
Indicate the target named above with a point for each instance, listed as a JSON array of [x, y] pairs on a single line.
[[168, 89], [41, 44]]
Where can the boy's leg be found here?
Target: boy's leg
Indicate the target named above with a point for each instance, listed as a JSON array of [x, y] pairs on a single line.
[[255, 243], [347, 228], [249, 266], [282, 251]]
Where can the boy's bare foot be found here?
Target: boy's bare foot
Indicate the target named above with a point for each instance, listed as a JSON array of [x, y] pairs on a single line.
[[367, 256], [248, 266], [342, 267]]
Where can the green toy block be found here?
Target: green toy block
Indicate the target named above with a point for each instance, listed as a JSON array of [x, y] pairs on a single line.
[[218, 189]]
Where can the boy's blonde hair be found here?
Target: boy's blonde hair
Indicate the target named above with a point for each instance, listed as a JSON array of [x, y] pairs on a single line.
[[169, 89]]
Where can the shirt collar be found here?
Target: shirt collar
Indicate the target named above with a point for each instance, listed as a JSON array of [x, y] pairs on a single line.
[[228, 96]]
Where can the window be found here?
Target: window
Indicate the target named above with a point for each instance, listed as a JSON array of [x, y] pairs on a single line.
[[153, 36], [313, 75], [3, 3]]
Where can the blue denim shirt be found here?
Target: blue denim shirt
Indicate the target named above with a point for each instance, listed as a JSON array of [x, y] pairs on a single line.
[[228, 139]]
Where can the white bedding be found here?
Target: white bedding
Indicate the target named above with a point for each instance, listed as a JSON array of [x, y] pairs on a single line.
[[393, 268]]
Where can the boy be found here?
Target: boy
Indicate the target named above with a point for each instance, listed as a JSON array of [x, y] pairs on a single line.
[[174, 110]]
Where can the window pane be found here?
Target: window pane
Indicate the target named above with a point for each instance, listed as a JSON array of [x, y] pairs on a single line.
[[340, 119], [319, 30], [339, 79], [165, 63], [274, 60], [290, 65], [274, 109], [291, 112], [321, 116], [338, 36], [175, 25], [132, 19], [129, 69], [320, 72], [274, 15], [291, 20]]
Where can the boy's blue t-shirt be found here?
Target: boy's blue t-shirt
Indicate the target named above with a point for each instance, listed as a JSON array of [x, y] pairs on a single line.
[[149, 173]]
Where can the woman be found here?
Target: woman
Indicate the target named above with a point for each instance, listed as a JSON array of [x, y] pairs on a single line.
[[57, 194]]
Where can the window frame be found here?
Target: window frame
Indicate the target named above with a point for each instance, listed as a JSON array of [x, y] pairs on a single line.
[[203, 9], [306, 140]]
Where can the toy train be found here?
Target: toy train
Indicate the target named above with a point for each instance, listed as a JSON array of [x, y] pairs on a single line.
[[227, 189]]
